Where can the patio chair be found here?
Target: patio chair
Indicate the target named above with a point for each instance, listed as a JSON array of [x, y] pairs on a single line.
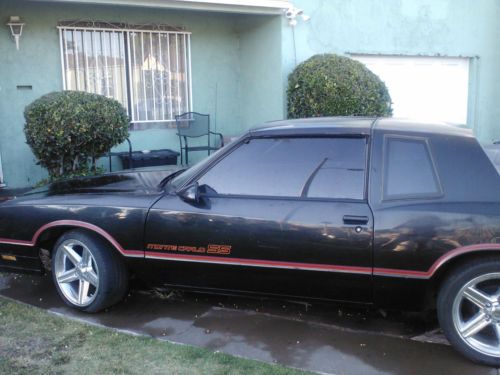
[[195, 125]]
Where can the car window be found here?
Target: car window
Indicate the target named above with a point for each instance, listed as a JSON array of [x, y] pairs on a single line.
[[493, 152], [292, 167], [409, 169], [189, 173]]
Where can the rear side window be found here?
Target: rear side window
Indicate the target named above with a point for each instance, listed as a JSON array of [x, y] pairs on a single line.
[[292, 167], [409, 171], [493, 152]]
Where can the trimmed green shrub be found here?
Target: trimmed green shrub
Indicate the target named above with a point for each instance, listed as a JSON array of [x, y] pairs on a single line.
[[332, 85], [69, 130]]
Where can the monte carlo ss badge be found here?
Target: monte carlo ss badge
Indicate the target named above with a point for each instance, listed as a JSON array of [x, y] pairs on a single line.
[[209, 249]]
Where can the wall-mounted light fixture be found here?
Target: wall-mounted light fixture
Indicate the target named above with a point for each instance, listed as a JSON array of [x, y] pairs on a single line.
[[292, 13], [16, 28]]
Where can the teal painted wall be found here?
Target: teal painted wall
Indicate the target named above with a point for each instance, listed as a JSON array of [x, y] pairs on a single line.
[[410, 27], [262, 95], [240, 63], [221, 51]]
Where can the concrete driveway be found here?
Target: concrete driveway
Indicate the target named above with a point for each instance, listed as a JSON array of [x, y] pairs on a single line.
[[322, 338]]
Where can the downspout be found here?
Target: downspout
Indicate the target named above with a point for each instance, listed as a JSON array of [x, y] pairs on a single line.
[[2, 184], [293, 14]]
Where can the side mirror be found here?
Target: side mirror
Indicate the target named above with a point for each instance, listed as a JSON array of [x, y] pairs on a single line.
[[190, 194]]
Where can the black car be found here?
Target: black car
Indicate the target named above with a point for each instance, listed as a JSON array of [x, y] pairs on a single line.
[[375, 211]]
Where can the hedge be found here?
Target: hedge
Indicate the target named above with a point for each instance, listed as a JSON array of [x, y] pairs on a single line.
[[332, 85], [69, 130]]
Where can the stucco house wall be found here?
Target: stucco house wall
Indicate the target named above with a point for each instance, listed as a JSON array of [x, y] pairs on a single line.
[[240, 62], [231, 71], [455, 28]]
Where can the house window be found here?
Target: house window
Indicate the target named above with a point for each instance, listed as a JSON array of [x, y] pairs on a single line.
[[421, 87], [149, 72]]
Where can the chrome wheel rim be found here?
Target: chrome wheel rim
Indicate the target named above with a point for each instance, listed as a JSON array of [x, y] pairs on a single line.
[[476, 314], [76, 273]]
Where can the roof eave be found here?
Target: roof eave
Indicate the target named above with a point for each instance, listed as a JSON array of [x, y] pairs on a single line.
[[228, 6]]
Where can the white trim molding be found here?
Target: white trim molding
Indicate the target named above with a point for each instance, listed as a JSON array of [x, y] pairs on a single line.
[[231, 6]]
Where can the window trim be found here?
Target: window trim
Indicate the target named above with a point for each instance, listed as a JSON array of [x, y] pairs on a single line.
[[416, 196], [126, 30], [249, 138]]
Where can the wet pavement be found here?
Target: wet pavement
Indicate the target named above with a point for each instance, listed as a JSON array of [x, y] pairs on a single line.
[[322, 338]]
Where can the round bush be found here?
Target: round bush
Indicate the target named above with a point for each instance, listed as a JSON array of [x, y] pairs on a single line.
[[69, 130], [332, 85]]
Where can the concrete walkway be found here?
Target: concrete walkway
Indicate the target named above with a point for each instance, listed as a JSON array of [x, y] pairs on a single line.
[[322, 338]]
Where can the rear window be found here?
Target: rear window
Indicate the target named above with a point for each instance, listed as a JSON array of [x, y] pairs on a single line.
[[493, 152], [409, 170]]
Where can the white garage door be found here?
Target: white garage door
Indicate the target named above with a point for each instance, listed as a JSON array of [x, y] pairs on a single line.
[[429, 88]]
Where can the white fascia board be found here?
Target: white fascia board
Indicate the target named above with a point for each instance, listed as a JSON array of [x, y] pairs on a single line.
[[231, 6]]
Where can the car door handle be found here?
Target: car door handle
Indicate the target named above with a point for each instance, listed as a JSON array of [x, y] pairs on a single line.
[[355, 220]]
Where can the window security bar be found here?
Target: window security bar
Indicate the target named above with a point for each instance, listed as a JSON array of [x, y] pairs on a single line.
[[149, 72]]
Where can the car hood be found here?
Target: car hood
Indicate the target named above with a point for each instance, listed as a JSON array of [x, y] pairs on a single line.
[[127, 182]]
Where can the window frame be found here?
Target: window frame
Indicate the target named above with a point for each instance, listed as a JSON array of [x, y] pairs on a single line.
[[249, 138], [385, 159], [129, 89]]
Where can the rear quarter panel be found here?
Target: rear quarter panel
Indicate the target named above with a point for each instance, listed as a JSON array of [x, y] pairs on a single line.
[[413, 236]]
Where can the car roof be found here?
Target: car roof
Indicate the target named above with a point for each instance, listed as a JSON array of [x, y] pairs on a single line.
[[316, 126], [416, 126], [356, 126]]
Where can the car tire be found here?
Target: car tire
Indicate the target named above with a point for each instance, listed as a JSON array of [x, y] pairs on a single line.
[[469, 310], [88, 273]]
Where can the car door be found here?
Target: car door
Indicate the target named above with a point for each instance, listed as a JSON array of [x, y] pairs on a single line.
[[280, 215]]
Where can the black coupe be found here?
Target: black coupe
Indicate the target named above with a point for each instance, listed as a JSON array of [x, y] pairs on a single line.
[[375, 211]]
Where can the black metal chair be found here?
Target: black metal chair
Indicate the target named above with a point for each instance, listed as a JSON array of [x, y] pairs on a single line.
[[195, 125]]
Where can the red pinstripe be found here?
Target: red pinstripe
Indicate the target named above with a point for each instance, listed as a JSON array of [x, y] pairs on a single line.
[[260, 263], [15, 242], [257, 262], [438, 263], [73, 223]]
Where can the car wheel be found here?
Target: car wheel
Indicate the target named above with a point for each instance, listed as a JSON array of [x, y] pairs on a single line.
[[88, 273], [469, 310]]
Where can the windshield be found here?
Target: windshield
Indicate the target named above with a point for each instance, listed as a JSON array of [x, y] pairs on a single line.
[[189, 173], [493, 152]]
